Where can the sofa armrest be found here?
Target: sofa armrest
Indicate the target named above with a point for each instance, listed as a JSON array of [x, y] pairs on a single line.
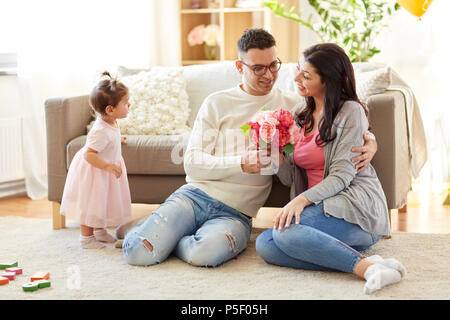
[[387, 118], [66, 119]]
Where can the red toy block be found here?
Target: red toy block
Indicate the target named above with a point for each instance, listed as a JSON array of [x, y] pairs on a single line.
[[4, 280], [9, 275], [16, 270], [40, 276]]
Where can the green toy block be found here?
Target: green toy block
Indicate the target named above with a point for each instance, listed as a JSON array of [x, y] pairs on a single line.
[[30, 286], [9, 264], [43, 283]]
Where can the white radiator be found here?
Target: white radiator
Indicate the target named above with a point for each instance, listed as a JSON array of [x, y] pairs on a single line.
[[11, 163]]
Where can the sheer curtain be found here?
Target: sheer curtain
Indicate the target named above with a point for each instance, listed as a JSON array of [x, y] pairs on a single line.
[[418, 49], [62, 47]]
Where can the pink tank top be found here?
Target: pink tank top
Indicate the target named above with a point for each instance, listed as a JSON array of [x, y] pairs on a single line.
[[309, 156]]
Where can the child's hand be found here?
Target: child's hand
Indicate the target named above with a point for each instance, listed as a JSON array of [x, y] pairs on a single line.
[[123, 140], [114, 169]]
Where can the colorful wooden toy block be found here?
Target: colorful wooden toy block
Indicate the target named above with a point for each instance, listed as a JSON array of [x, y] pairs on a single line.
[[8, 264], [16, 270], [40, 276], [9, 275], [4, 280], [43, 283], [30, 286]]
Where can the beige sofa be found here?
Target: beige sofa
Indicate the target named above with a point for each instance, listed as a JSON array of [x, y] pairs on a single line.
[[153, 176]]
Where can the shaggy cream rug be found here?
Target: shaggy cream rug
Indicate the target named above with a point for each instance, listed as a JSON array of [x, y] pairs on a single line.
[[103, 274]]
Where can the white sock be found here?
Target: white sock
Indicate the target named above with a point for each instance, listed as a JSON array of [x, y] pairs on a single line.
[[90, 242], [379, 276], [103, 236], [390, 263]]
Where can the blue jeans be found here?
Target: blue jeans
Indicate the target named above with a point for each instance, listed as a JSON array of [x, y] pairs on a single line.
[[195, 227], [317, 243]]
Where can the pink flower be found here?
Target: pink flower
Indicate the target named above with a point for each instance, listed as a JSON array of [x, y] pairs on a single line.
[[267, 130], [284, 136], [284, 117], [254, 132], [254, 135], [268, 123], [269, 115], [196, 35], [201, 34], [294, 133]]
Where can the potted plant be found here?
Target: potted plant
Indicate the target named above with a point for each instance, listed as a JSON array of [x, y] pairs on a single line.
[[352, 24], [208, 36]]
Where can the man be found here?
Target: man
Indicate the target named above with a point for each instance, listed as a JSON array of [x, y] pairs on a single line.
[[208, 221]]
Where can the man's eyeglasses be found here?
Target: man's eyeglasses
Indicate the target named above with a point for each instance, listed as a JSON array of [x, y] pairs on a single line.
[[260, 70]]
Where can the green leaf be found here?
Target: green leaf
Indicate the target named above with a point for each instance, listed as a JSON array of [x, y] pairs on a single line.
[[335, 24], [245, 129], [337, 19], [262, 143], [289, 148], [263, 108]]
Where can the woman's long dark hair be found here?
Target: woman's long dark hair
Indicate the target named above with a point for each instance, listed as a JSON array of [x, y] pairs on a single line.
[[336, 72]]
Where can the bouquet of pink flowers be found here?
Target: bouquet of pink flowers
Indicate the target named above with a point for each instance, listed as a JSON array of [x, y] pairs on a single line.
[[267, 124]]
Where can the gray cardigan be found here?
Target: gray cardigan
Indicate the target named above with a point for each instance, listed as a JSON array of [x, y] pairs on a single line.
[[355, 197]]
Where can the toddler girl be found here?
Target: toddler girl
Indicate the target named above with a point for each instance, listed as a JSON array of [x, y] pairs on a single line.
[[96, 191]]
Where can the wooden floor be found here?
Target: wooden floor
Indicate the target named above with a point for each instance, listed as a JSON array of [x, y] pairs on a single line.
[[425, 216]]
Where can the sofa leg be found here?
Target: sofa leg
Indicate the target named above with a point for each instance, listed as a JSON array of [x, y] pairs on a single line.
[[390, 224], [59, 221]]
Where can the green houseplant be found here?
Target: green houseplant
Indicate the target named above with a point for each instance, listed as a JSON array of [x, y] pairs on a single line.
[[352, 24]]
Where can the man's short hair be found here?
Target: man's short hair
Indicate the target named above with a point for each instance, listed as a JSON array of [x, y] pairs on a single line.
[[255, 38]]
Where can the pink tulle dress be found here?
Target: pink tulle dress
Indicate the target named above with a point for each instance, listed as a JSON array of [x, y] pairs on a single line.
[[95, 197]]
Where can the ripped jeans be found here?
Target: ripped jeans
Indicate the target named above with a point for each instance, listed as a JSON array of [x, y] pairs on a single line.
[[195, 227]]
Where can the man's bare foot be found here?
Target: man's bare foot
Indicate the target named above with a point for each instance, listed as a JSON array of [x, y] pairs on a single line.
[[118, 243], [122, 229]]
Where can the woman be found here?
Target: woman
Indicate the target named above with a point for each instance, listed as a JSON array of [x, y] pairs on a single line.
[[335, 212]]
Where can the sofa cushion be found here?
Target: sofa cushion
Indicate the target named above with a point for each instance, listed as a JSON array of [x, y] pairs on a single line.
[[371, 78], [159, 103], [202, 80], [145, 154]]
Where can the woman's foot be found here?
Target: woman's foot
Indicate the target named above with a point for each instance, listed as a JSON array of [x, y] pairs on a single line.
[[103, 236], [390, 263], [89, 242], [379, 276]]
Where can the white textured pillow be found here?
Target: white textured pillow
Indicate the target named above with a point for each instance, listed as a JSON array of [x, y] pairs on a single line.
[[159, 103], [371, 78]]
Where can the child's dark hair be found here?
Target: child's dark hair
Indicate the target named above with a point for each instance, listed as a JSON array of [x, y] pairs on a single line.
[[108, 92], [255, 38]]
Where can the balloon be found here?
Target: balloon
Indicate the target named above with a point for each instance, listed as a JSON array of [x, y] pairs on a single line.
[[416, 7]]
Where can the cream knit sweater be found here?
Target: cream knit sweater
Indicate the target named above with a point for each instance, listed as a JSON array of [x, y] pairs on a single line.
[[212, 161]]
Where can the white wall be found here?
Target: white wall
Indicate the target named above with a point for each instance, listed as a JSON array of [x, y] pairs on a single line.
[[9, 96]]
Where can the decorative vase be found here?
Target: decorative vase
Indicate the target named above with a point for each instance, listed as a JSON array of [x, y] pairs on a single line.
[[210, 52], [196, 4]]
